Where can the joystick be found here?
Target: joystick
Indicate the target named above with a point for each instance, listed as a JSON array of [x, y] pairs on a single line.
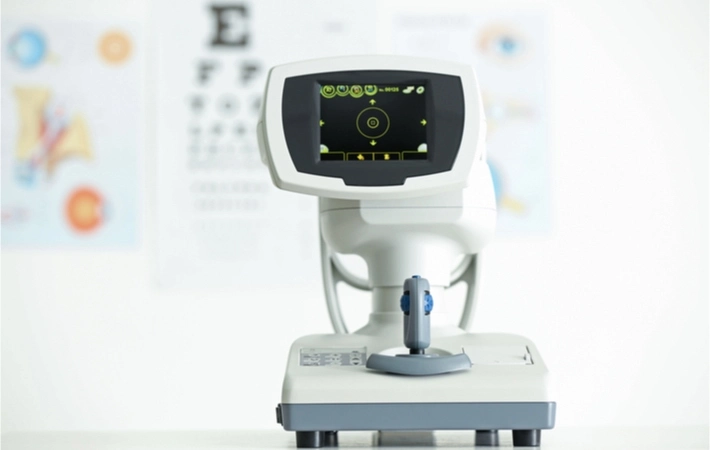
[[416, 304]]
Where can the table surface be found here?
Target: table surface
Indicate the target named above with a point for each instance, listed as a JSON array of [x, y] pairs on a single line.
[[676, 438]]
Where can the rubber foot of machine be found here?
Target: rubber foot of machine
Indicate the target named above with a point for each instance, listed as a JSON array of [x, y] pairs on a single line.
[[526, 438], [310, 439], [330, 439], [486, 438]]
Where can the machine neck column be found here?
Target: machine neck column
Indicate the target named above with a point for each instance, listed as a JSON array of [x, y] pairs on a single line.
[[386, 299]]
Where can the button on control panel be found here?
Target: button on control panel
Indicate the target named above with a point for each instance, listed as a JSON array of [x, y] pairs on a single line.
[[333, 356]]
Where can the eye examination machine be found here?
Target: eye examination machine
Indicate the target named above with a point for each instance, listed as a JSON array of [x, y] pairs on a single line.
[[394, 148]]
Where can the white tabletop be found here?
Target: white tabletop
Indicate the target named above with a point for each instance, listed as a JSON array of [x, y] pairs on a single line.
[[676, 438]]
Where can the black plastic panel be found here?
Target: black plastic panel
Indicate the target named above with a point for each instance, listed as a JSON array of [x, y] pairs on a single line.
[[445, 120]]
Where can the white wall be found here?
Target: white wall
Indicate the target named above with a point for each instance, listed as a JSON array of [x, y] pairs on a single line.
[[616, 297]]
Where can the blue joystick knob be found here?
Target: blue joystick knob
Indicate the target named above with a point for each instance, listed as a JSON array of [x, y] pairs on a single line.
[[428, 302], [404, 303]]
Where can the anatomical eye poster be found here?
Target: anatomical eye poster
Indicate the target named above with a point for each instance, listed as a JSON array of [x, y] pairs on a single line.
[[71, 134], [508, 53], [220, 221]]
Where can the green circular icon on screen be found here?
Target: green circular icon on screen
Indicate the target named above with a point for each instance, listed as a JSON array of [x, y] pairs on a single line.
[[372, 122], [327, 91], [370, 89], [356, 91], [342, 90]]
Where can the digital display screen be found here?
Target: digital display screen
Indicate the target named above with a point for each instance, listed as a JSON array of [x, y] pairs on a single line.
[[373, 122]]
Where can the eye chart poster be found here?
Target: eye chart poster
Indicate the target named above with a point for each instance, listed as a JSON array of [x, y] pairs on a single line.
[[220, 221], [508, 52], [71, 133]]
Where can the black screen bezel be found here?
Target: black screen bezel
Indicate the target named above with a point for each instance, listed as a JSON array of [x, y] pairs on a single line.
[[445, 112]]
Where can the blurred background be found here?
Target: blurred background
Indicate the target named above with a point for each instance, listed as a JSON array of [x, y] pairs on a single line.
[[152, 277]]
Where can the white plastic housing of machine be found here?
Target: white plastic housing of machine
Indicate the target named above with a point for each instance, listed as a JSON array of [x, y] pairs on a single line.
[[419, 226]]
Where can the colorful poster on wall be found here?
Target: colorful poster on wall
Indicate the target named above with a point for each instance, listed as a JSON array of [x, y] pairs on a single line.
[[71, 134], [508, 52], [220, 220]]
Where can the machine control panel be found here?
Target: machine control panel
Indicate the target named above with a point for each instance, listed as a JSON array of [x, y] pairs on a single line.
[[373, 128], [373, 122]]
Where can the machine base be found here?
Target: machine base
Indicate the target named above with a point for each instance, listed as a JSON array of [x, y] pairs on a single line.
[[310, 421], [327, 388], [484, 438], [417, 416]]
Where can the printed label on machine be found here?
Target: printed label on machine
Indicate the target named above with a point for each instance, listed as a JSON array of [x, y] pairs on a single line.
[[333, 356]]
